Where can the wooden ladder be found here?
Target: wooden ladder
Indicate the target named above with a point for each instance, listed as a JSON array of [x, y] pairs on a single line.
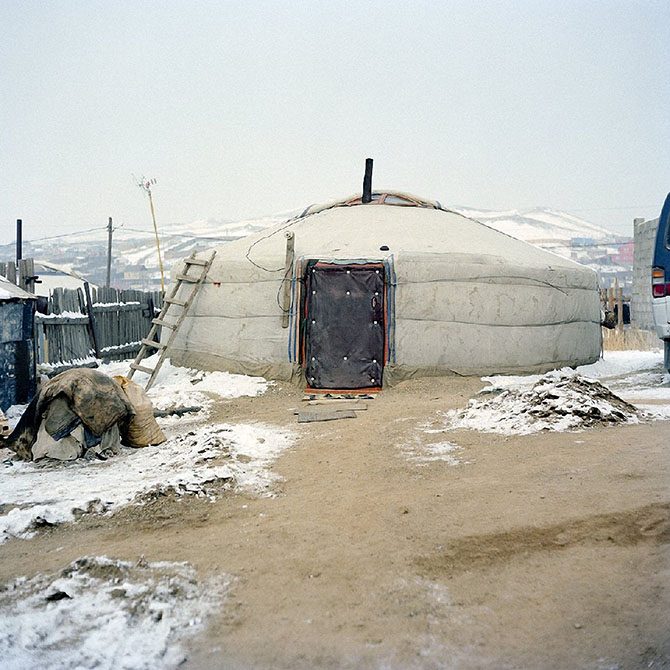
[[149, 342]]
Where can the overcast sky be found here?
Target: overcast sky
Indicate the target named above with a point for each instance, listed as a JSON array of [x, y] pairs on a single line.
[[243, 108]]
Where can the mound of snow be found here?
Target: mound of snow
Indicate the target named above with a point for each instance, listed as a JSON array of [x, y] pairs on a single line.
[[106, 614], [558, 401]]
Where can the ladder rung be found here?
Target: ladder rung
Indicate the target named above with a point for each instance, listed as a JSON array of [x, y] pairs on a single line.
[[187, 278], [142, 368], [196, 261], [165, 324], [154, 345], [174, 301]]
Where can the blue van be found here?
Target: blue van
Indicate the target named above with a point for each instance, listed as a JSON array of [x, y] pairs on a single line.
[[660, 280]]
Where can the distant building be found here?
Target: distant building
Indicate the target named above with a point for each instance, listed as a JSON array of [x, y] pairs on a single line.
[[625, 254], [582, 242]]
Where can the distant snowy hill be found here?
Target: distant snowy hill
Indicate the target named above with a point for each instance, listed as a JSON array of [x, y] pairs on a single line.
[[540, 226], [135, 262]]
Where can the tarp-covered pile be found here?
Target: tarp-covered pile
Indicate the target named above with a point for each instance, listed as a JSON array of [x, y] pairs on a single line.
[[83, 412]]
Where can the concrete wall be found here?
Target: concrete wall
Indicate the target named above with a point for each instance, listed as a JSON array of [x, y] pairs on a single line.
[[640, 307]]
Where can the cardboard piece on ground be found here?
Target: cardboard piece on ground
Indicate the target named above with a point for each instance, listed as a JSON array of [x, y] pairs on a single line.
[[309, 415], [339, 404]]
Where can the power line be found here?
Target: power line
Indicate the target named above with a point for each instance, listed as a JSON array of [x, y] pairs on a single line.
[[191, 236], [56, 237]]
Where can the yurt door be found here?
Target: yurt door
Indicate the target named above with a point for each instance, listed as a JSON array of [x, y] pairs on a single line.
[[343, 325]]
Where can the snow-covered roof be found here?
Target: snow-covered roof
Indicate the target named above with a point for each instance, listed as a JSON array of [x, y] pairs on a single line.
[[9, 291], [53, 276]]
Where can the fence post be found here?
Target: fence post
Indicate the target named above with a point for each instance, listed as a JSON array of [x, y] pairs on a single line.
[[619, 304], [110, 230], [27, 274], [91, 319]]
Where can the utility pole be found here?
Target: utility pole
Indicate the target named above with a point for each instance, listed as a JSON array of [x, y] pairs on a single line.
[[109, 252], [19, 241], [145, 185]]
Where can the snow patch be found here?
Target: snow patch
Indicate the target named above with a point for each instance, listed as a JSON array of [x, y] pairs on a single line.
[[13, 414], [106, 614], [617, 363], [47, 493], [558, 401], [184, 387], [421, 453], [632, 375]]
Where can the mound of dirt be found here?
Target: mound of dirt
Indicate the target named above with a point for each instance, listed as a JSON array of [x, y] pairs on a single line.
[[558, 401]]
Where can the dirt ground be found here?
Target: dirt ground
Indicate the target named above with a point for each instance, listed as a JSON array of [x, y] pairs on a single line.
[[544, 551]]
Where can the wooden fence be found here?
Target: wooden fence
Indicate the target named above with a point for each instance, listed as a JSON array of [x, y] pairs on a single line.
[[66, 335], [612, 300]]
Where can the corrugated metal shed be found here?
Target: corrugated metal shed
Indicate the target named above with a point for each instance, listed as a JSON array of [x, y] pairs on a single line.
[[17, 347]]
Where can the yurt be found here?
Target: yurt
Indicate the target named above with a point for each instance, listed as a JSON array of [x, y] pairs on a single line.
[[366, 291]]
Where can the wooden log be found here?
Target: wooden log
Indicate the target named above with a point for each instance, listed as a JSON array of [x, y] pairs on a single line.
[[288, 277]]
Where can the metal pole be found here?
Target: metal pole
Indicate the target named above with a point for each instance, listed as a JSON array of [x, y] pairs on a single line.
[[19, 240], [109, 252], [367, 182]]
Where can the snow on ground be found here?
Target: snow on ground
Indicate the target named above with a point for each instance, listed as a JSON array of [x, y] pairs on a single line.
[[565, 400], [48, 492], [615, 364], [177, 387], [13, 414], [106, 614], [558, 401], [421, 453], [196, 455], [183, 387]]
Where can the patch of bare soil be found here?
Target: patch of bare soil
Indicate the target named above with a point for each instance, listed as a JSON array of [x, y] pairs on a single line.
[[648, 524], [542, 551]]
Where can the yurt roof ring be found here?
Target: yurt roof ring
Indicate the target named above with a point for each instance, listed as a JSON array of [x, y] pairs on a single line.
[[366, 197], [394, 198]]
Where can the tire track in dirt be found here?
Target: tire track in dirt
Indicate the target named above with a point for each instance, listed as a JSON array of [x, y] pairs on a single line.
[[648, 524]]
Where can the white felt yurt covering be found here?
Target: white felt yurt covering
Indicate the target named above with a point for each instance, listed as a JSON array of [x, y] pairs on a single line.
[[460, 297]]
